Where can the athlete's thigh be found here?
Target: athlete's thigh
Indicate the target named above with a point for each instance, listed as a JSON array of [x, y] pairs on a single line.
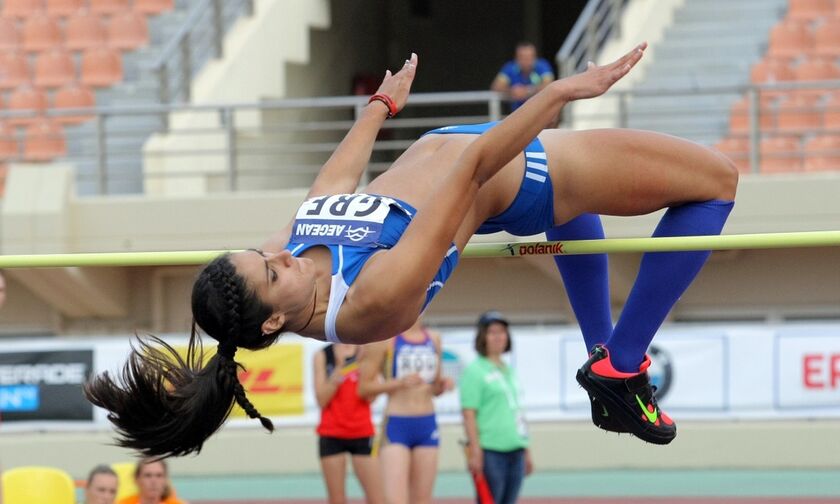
[[424, 464], [395, 461], [631, 172], [335, 471], [368, 473]]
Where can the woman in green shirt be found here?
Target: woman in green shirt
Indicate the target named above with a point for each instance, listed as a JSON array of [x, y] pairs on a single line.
[[496, 430]]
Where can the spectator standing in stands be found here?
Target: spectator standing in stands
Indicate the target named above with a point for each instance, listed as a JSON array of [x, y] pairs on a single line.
[[524, 76], [408, 449], [497, 435], [101, 485], [153, 486], [345, 426]]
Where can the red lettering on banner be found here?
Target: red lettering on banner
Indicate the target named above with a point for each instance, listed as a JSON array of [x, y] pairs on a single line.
[[811, 367], [261, 383], [835, 370]]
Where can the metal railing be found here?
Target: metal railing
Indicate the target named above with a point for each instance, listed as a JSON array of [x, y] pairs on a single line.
[[283, 143], [200, 38], [598, 21], [761, 119], [286, 139]]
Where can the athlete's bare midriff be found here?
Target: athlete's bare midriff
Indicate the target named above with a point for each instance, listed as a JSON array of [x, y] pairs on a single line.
[[420, 170], [412, 401]]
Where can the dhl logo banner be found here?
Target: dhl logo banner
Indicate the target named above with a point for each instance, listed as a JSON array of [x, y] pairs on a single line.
[[273, 379]]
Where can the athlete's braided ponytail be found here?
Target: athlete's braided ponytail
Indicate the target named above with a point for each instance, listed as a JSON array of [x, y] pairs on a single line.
[[224, 280], [164, 404]]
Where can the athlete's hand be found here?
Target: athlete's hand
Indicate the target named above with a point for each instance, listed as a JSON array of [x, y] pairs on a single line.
[[411, 380], [398, 85], [596, 80], [529, 463], [336, 377], [475, 460]]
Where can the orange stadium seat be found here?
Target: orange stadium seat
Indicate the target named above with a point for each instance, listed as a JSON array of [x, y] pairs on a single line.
[[799, 113], [810, 9], [128, 31], [26, 98], [790, 38], [44, 141], [41, 32], [84, 30], [780, 154], [816, 69], [153, 6], [827, 38], [22, 8], [73, 96], [737, 148], [9, 36], [8, 143], [101, 67], [772, 70], [54, 69], [109, 6], [831, 112], [14, 70], [64, 8], [739, 119], [822, 153]]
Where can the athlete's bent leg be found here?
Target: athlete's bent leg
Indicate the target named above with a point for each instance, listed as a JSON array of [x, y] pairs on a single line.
[[627, 173]]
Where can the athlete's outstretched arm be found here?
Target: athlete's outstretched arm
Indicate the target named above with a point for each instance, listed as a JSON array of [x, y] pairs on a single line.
[[412, 263], [343, 170]]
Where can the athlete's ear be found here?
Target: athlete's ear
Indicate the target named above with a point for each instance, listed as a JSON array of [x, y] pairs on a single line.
[[273, 323]]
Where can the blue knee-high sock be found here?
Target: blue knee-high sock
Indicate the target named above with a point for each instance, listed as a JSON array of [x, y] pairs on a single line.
[[586, 278], [663, 277]]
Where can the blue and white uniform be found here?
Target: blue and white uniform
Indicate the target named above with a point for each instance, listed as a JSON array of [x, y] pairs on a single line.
[[355, 226], [406, 358]]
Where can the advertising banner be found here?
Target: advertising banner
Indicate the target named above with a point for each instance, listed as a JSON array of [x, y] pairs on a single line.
[[45, 385], [273, 380]]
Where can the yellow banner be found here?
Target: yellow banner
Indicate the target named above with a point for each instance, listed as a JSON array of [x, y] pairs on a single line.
[[273, 378]]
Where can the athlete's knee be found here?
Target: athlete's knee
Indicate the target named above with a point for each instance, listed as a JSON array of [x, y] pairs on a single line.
[[726, 177]]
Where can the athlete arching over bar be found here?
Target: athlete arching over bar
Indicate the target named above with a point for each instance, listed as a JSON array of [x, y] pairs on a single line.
[[358, 268]]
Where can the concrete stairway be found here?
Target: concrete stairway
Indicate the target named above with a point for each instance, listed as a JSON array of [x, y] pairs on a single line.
[[710, 44]]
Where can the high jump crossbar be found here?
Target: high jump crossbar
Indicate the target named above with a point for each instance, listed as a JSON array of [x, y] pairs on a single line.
[[572, 247]]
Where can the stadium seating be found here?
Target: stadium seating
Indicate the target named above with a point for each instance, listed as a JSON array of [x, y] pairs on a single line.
[[125, 474], [52, 54], [38, 485], [800, 127]]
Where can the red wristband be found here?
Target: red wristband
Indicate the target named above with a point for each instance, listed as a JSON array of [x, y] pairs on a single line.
[[388, 101]]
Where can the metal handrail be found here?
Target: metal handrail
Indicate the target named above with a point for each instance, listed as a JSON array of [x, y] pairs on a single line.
[[179, 46], [599, 20], [110, 152]]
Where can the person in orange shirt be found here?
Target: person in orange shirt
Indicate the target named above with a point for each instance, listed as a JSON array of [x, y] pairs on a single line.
[[152, 478]]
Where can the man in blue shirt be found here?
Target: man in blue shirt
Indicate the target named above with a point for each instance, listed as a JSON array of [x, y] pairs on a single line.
[[523, 76]]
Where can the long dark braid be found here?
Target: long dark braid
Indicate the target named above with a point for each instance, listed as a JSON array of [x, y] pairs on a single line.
[[225, 282], [163, 404]]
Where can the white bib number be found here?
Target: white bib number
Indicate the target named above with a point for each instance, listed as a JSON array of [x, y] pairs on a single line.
[[341, 219]]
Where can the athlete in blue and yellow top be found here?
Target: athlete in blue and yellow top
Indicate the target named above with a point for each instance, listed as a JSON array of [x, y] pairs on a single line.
[[360, 268], [406, 368]]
